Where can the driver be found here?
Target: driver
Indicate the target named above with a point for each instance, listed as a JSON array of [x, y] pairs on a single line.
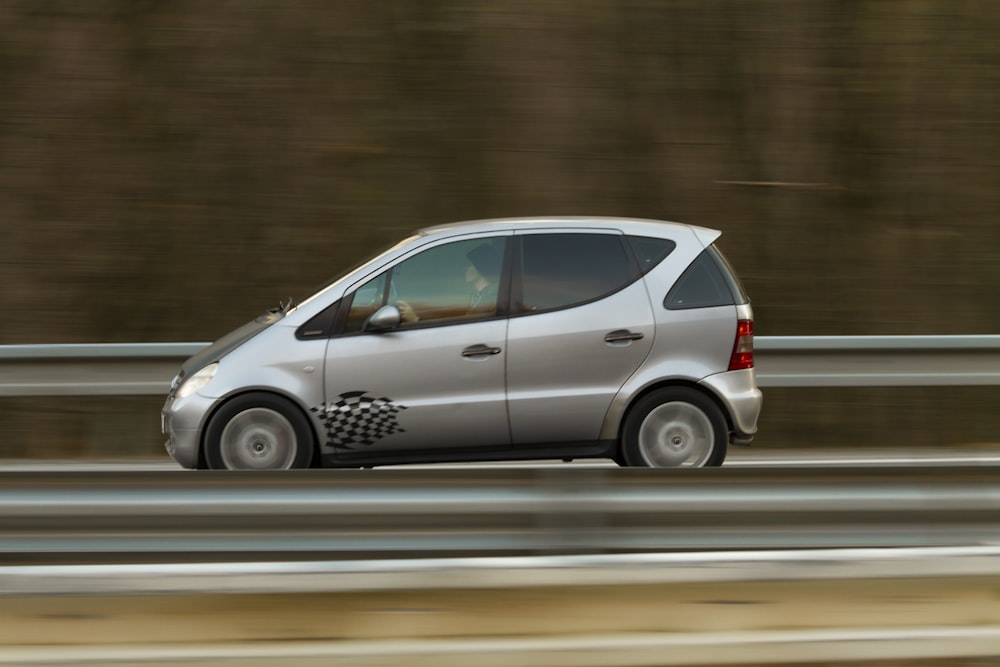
[[482, 274]]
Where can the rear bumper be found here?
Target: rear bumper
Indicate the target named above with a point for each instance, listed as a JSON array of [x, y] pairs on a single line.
[[742, 399]]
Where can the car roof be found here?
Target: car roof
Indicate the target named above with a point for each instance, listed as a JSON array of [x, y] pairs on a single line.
[[634, 226]]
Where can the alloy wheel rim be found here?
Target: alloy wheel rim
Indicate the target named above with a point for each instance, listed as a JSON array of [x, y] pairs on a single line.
[[258, 439], [676, 434]]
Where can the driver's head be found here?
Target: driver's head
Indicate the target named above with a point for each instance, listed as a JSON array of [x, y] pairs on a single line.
[[486, 261]]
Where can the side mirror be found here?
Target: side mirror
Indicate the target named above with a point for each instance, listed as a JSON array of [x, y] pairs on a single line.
[[383, 319]]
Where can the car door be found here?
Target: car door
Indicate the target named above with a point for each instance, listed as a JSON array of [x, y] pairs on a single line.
[[436, 381], [581, 324]]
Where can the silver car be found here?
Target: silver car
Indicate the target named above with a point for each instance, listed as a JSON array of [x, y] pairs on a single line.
[[489, 340]]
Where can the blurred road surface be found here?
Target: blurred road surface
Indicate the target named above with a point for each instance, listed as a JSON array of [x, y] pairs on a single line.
[[738, 457]]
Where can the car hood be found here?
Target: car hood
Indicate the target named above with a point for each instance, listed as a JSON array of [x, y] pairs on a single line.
[[229, 342]]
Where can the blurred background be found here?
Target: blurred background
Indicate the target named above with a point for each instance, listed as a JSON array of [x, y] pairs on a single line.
[[170, 169]]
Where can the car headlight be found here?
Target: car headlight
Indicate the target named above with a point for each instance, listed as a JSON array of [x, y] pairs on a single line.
[[197, 381]]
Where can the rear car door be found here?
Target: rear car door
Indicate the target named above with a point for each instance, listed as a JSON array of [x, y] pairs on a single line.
[[581, 323]]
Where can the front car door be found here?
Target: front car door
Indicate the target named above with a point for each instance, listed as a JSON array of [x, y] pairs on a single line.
[[581, 323], [435, 382]]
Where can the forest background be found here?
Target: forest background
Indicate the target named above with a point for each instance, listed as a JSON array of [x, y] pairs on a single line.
[[171, 168]]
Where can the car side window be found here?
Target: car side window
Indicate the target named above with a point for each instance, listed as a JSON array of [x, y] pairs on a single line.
[[451, 282], [650, 251], [366, 300], [706, 283], [563, 270]]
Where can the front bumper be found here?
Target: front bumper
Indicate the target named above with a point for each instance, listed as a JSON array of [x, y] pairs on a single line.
[[181, 420]]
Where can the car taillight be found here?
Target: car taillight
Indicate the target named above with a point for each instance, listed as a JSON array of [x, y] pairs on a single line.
[[743, 348]]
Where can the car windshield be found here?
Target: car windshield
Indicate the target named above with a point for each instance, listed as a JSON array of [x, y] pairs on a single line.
[[340, 276]]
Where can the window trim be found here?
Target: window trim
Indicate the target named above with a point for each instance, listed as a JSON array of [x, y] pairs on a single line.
[[323, 324]]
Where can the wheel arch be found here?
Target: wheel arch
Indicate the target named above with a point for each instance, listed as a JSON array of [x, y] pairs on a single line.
[[667, 384], [291, 398]]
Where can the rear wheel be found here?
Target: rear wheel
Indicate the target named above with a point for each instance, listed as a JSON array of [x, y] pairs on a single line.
[[258, 431], [675, 427]]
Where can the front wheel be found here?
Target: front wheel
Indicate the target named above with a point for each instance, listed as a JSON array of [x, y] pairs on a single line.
[[258, 431], [675, 427]]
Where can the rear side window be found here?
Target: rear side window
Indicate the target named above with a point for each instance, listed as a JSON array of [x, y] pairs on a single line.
[[563, 270], [650, 251], [708, 282]]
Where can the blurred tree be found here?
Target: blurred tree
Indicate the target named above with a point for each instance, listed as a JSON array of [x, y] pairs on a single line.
[[168, 169]]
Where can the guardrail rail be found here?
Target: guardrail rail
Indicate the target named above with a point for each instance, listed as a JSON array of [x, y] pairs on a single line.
[[782, 361], [402, 513], [500, 567]]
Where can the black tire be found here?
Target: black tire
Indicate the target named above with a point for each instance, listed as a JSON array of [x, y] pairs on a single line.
[[675, 427], [259, 431]]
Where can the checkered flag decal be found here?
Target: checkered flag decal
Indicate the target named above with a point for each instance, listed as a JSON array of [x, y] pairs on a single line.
[[359, 420]]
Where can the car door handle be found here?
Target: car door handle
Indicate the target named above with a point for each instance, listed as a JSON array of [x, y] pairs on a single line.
[[480, 351], [622, 336]]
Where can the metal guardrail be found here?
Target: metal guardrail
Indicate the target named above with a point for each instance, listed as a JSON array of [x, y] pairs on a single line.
[[524, 536], [456, 574], [420, 513], [873, 361], [499, 567], [782, 361]]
